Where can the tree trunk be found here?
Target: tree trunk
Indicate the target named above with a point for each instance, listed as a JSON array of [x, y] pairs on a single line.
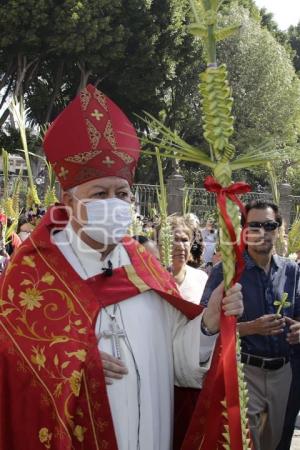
[[56, 88], [84, 76]]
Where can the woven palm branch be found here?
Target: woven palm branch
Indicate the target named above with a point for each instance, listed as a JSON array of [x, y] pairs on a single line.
[[18, 111], [218, 125], [165, 234]]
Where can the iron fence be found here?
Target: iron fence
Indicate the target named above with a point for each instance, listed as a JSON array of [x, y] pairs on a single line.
[[203, 203], [146, 198]]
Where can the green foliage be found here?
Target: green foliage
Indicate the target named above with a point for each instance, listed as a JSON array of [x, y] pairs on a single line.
[[268, 22], [294, 41], [141, 54], [124, 47], [265, 89], [294, 235]]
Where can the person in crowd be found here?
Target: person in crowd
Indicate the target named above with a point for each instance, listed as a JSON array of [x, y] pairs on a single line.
[[293, 404], [25, 228], [210, 236], [298, 257], [217, 257], [147, 228], [266, 336], [197, 247], [190, 281], [94, 331], [4, 258], [12, 240]]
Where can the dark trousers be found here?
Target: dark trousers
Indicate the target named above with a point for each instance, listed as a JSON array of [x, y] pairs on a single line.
[[293, 407]]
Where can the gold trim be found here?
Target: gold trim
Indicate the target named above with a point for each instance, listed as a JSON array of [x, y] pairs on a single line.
[[97, 114], [124, 156], [94, 134], [83, 158], [63, 173], [62, 281], [37, 376], [110, 135], [154, 273], [85, 97], [108, 162], [100, 97], [90, 410], [135, 279]]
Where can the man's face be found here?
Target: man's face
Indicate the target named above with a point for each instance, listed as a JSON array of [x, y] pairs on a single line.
[[259, 240], [99, 189]]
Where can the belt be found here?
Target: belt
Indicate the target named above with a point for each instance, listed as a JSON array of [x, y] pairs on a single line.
[[264, 363]]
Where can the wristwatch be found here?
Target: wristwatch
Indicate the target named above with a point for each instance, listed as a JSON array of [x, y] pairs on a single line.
[[206, 331]]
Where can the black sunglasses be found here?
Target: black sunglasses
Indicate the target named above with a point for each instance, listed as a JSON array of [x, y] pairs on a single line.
[[267, 226]]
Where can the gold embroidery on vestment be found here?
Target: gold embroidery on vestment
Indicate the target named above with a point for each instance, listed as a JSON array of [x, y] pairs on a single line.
[[85, 97], [100, 97], [97, 114], [107, 161], [124, 156], [110, 135], [94, 134], [83, 158], [63, 173], [135, 279]]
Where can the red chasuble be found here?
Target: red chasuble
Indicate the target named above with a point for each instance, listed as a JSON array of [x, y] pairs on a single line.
[[52, 387]]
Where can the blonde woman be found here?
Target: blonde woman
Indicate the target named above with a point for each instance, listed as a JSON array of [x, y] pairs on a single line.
[[190, 281]]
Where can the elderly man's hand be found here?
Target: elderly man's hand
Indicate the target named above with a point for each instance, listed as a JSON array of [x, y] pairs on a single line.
[[232, 305], [113, 368]]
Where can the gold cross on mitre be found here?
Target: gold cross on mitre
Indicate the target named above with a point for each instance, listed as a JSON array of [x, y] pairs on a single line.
[[108, 161], [97, 114], [63, 173]]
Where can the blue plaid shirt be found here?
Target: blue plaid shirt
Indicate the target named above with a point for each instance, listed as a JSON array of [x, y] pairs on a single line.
[[260, 290]]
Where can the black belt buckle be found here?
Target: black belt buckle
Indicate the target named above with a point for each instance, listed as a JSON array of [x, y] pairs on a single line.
[[263, 363]]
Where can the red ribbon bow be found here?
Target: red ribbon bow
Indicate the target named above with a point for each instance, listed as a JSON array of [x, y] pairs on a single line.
[[230, 192]]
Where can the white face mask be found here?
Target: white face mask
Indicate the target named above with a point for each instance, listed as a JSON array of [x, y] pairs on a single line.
[[107, 220]]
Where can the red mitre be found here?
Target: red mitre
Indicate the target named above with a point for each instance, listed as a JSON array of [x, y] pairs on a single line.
[[92, 138]]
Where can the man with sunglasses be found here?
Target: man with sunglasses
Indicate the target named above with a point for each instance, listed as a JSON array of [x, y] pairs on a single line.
[[266, 336]]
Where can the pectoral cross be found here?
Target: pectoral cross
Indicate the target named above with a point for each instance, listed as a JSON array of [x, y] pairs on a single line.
[[115, 333]]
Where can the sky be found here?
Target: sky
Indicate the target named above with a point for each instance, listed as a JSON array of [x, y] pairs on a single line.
[[286, 12]]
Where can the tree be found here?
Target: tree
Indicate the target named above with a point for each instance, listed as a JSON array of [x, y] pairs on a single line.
[[265, 87], [294, 41], [268, 22]]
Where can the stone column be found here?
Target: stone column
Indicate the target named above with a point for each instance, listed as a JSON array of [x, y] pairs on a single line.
[[175, 192], [286, 203]]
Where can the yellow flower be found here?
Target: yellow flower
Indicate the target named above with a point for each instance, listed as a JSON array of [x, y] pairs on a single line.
[[80, 354], [45, 437], [38, 358], [28, 261], [31, 298], [75, 382], [58, 390], [82, 331], [79, 433], [48, 278]]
